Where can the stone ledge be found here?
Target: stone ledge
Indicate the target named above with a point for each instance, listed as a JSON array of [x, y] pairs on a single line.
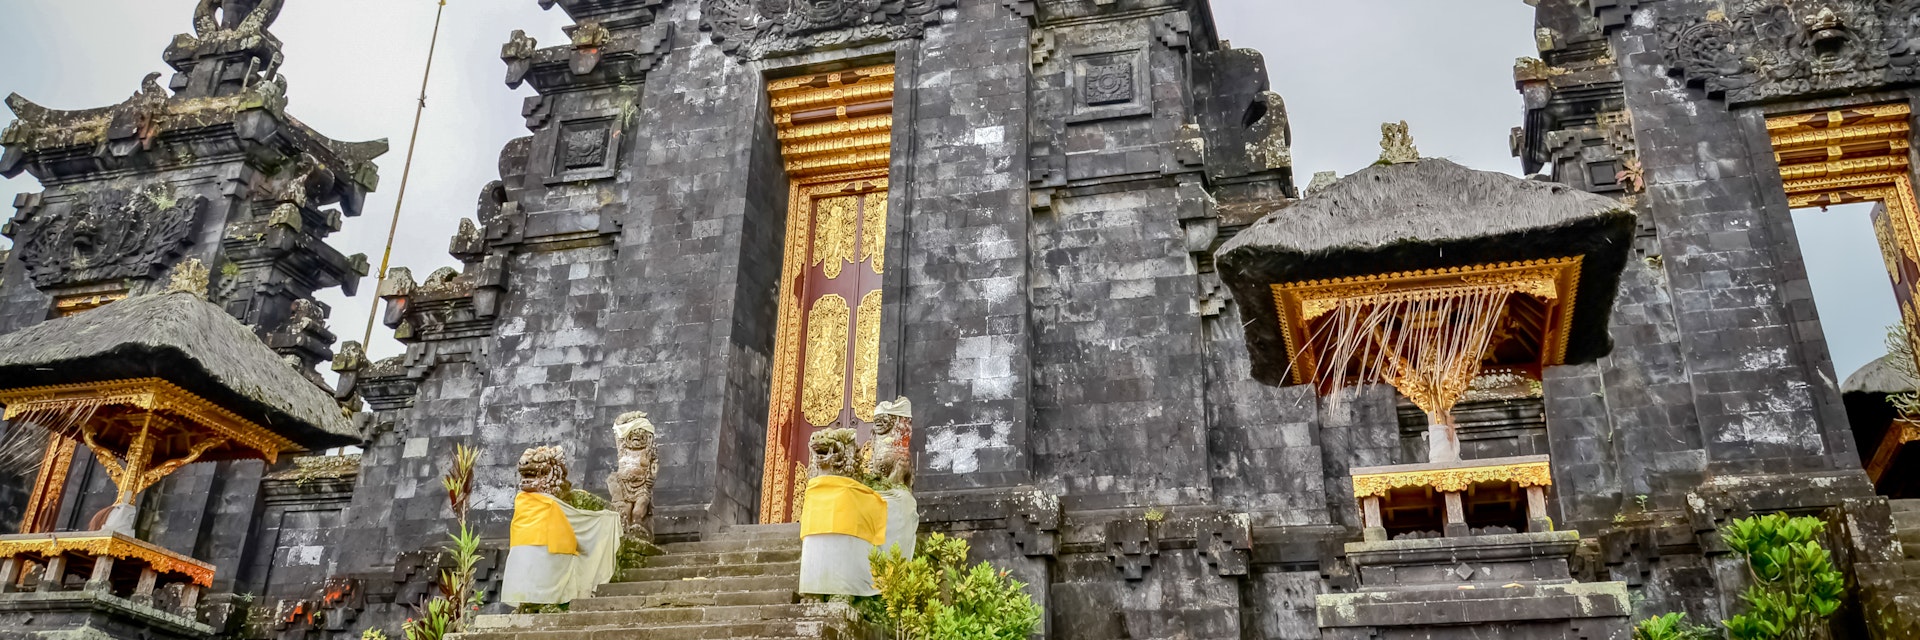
[[1473, 606]]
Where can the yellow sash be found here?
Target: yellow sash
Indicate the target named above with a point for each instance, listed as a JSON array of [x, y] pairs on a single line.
[[538, 521], [842, 505]]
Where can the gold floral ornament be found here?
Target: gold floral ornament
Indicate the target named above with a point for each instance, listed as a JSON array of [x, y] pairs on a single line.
[[1455, 480], [866, 357], [833, 234], [97, 545], [873, 232], [824, 381]]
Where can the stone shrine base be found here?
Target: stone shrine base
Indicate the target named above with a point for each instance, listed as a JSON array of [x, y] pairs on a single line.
[[1483, 587], [90, 615]]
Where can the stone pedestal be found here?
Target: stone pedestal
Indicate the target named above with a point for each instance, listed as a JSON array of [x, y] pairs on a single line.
[[1492, 586]]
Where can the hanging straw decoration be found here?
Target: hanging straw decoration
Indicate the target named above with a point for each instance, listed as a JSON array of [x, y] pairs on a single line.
[[1428, 343], [21, 448]]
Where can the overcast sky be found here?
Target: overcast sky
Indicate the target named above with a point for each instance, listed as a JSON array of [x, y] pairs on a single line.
[[353, 68]]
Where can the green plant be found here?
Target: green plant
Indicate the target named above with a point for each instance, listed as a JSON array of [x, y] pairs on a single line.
[[1673, 626], [935, 595], [1795, 587], [373, 634]]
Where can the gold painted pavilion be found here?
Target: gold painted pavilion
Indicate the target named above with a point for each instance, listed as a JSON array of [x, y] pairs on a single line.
[[1429, 277], [148, 384]]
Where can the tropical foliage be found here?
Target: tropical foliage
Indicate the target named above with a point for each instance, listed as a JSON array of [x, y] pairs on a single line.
[[936, 595], [1795, 587]]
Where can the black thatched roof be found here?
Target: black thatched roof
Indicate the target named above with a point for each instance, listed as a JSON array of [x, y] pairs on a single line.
[[1878, 377], [185, 340], [1429, 214]]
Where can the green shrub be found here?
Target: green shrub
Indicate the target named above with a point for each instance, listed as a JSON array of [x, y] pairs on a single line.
[[1673, 626], [1795, 587], [935, 595]]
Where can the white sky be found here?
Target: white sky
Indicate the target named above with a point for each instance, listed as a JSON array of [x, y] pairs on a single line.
[[353, 68]]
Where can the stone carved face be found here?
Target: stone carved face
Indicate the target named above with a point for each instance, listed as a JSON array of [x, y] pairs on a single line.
[[835, 453], [543, 470], [629, 433]]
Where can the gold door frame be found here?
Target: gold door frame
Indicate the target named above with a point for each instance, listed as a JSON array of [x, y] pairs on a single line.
[[835, 131]]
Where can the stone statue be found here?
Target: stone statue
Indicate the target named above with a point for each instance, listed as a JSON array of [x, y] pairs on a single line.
[[835, 453], [544, 470], [843, 520], [632, 481], [893, 442], [1396, 144], [190, 276]]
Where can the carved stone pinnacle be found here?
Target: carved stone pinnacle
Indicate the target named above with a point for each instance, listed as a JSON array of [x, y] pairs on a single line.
[[190, 276]]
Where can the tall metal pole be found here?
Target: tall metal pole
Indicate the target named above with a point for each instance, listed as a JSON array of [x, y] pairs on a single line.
[[406, 172]]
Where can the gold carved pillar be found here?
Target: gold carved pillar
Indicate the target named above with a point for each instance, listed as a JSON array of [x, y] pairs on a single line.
[[835, 132]]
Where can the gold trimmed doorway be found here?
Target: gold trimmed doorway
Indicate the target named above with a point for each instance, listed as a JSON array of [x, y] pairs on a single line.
[[835, 131]]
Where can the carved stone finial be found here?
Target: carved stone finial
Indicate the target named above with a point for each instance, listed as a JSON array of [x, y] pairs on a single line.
[[544, 470], [893, 442], [1396, 144], [631, 483], [835, 453], [189, 277], [1321, 181]]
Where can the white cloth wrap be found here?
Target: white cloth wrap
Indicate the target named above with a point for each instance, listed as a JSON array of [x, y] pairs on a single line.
[[836, 564], [533, 576], [903, 521]]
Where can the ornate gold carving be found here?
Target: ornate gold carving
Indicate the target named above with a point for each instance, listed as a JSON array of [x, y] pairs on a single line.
[[49, 486], [866, 357], [67, 305], [1525, 474], [799, 481], [873, 236], [96, 545], [826, 373], [833, 235], [1854, 154], [151, 395]]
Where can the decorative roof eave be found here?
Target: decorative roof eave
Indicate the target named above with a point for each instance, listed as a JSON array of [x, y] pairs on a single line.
[[615, 14], [126, 129], [181, 338], [600, 55]]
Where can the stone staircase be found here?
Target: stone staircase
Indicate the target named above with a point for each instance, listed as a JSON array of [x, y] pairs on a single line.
[[1892, 602], [739, 585]]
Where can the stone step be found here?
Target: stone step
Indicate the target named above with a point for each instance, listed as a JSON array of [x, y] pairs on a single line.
[[1906, 522], [727, 545], [808, 629], [1908, 505], [759, 556], [645, 574], [700, 585], [579, 621], [740, 531], [686, 599]]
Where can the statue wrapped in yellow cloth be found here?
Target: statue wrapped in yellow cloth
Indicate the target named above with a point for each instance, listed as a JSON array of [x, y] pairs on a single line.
[[558, 553], [841, 521]]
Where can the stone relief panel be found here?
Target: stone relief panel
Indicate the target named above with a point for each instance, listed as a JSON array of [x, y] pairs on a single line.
[[1110, 84], [106, 236], [1761, 50], [755, 29]]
